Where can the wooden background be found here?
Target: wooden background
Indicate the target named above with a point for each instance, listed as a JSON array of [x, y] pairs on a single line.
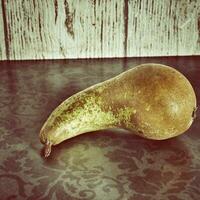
[[51, 29]]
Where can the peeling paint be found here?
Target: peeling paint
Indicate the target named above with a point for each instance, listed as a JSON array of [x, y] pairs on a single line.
[[94, 29], [69, 19], [5, 28], [56, 10], [198, 22]]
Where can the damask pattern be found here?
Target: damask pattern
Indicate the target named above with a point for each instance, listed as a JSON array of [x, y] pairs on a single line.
[[111, 164]]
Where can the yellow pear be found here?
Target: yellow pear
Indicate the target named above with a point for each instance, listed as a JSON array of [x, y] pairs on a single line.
[[152, 100]]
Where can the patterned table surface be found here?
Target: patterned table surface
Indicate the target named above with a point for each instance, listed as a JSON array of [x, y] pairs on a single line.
[[110, 164]]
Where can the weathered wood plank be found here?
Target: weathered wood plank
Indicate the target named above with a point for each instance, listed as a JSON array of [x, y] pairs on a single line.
[[161, 28], [51, 29], [65, 28], [2, 36]]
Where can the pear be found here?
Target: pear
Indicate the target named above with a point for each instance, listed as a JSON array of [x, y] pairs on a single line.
[[153, 101]]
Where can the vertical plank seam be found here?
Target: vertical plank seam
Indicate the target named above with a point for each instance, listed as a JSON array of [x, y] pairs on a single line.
[[56, 10], [198, 30], [125, 27], [6, 36]]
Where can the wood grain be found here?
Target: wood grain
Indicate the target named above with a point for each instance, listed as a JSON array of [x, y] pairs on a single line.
[[54, 29], [2, 36], [161, 28], [49, 29]]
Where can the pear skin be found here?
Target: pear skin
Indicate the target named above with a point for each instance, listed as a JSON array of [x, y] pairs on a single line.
[[151, 100]]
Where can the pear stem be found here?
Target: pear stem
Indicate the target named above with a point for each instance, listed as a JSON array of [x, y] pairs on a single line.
[[47, 149]]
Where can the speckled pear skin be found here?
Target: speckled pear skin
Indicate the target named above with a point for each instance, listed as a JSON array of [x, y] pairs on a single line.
[[152, 100]]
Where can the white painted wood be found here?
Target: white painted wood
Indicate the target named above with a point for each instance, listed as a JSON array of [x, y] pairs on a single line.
[[162, 28], [49, 29], [2, 37], [54, 29], [95, 30]]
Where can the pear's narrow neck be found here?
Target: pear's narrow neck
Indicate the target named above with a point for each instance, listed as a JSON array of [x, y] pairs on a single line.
[[87, 111], [91, 117]]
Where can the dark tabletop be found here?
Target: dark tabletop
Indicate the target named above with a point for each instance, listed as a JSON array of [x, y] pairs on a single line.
[[110, 164]]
